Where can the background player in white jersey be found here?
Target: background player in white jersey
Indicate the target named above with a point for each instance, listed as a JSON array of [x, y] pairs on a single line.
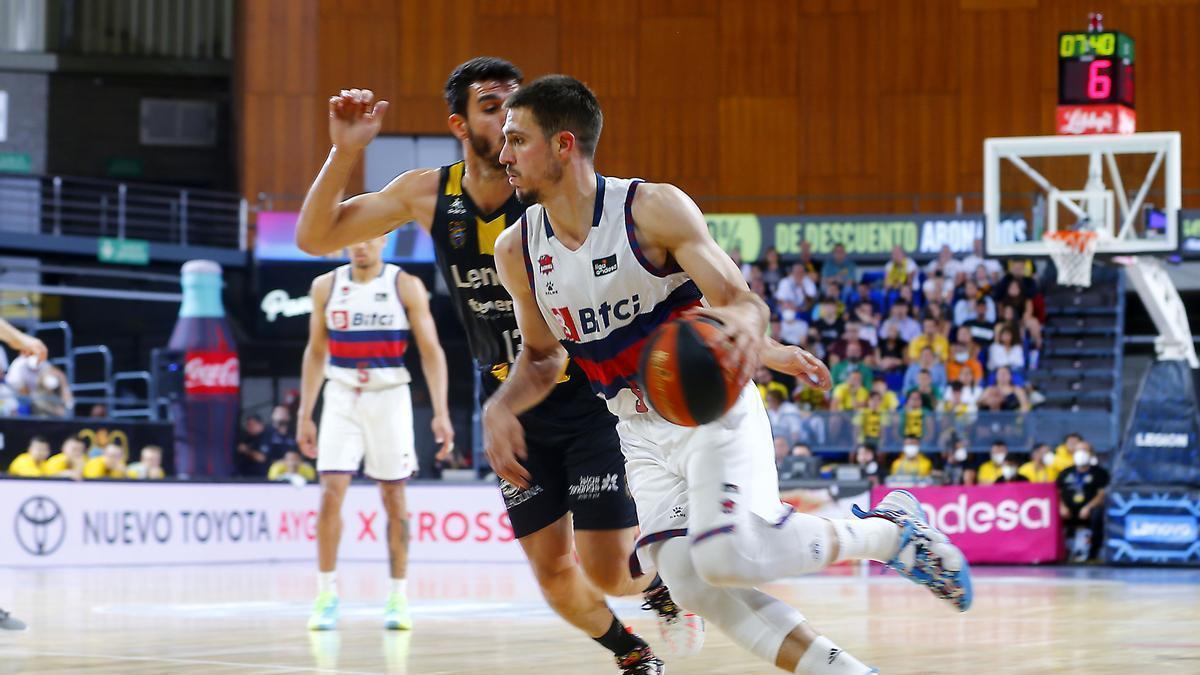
[[363, 316], [595, 267]]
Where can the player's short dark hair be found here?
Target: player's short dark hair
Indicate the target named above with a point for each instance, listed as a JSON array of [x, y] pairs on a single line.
[[478, 69], [562, 103], [38, 439]]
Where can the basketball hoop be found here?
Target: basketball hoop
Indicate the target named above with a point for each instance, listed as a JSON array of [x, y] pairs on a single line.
[[1072, 252]]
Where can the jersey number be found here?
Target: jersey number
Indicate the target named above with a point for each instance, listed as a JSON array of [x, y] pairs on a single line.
[[363, 376], [512, 343]]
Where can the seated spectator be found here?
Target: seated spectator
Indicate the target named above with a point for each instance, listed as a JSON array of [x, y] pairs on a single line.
[[781, 451], [891, 351], [954, 464], [772, 269], [1040, 468], [952, 402], [853, 361], [915, 420], [872, 421], [1064, 453], [804, 395], [1081, 490], [805, 258], [938, 290], [944, 263], [972, 263], [150, 465], [812, 428], [292, 468], [984, 280], [766, 382], [250, 461], [971, 391], [983, 329], [32, 462], [931, 337], [851, 394], [109, 465], [925, 361], [912, 464], [1006, 352], [758, 288], [930, 395], [279, 439], [801, 450], [1004, 396], [967, 306], [70, 460], [964, 353], [793, 329], [867, 458], [1009, 472], [829, 325], [992, 469], [887, 398], [783, 415], [1022, 310], [899, 271], [44, 384], [851, 335], [868, 322], [796, 289], [840, 267], [1018, 271], [907, 327]]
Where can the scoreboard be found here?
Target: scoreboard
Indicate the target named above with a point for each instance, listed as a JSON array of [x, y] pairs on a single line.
[[1095, 83]]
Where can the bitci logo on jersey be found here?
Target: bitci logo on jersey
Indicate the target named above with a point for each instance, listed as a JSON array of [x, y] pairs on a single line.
[[211, 373], [546, 263]]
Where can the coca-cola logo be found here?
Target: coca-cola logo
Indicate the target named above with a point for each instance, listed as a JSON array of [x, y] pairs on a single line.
[[1083, 121], [211, 373]]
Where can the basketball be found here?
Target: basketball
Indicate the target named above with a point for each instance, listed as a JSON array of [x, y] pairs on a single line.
[[681, 374]]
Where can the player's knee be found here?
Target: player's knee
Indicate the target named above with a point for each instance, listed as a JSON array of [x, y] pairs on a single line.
[[332, 496], [611, 575], [719, 562]]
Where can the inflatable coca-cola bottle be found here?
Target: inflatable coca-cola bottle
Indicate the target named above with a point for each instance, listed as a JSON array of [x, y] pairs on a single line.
[[206, 419]]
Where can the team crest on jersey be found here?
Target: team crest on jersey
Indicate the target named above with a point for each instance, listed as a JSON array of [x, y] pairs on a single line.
[[546, 263], [602, 266], [341, 319], [456, 208], [458, 233]]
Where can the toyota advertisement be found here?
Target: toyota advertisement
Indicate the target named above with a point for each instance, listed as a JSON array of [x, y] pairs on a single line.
[[51, 522]]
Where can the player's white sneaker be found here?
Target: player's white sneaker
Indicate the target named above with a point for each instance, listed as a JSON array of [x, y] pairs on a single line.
[[926, 556], [682, 632]]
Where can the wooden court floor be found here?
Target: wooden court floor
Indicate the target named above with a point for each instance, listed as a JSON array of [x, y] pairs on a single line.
[[490, 619]]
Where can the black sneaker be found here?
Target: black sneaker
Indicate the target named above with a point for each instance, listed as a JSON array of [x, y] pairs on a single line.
[[641, 661], [682, 632]]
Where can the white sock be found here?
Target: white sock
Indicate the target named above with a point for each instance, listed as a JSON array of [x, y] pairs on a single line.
[[327, 581], [866, 539], [400, 586], [825, 658]]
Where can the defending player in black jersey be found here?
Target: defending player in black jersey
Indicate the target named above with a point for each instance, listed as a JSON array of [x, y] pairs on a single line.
[[574, 462]]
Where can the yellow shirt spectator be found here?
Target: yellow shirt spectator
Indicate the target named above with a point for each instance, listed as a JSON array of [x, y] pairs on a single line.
[[845, 399], [26, 466], [280, 469], [96, 467], [1062, 459], [870, 424], [1038, 472], [938, 343], [989, 472], [772, 386], [57, 464], [889, 401], [917, 467], [914, 423], [814, 397]]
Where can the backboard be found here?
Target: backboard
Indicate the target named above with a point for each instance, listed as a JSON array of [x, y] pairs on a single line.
[[1125, 187]]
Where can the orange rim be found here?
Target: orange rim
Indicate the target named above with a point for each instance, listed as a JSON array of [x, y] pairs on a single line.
[[1076, 239]]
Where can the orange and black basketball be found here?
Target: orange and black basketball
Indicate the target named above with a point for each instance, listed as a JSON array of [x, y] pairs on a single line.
[[681, 375]]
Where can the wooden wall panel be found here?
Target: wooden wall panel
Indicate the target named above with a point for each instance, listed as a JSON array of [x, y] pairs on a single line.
[[755, 104]]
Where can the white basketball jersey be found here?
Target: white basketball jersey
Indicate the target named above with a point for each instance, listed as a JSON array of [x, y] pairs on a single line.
[[368, 331], [603, 300]]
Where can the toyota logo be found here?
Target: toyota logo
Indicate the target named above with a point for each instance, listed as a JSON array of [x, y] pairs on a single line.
[[40, 526]]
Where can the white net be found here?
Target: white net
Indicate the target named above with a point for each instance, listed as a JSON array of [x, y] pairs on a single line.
[[1072, 253]]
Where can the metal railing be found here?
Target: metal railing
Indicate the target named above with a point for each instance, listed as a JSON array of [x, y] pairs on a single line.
[[64, 205], [838, 432]]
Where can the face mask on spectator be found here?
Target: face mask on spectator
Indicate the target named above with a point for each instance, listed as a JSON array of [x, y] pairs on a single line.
[[998, 458], [1008, 471], [960, 455], [911, 451], [961, 357], [1048, 459], [50, 382], [788, 314], [1082, 458]]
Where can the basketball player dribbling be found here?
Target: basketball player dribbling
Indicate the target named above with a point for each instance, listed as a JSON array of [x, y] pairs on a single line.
[[593, 267], [566, 497], [363, 316]]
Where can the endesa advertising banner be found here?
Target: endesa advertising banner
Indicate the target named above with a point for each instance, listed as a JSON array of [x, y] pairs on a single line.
[[1013, 523], [53, 522]]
